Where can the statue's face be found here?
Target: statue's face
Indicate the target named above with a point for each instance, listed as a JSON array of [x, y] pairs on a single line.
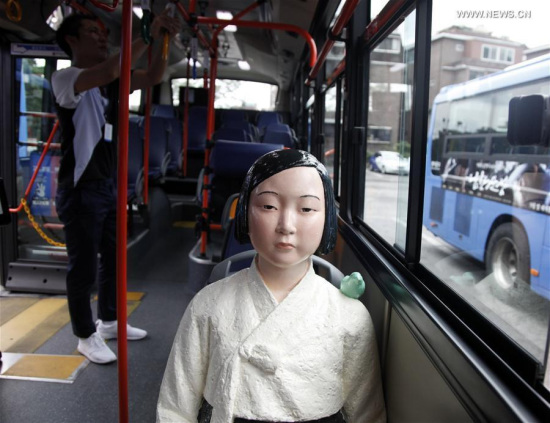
[[286, 217]]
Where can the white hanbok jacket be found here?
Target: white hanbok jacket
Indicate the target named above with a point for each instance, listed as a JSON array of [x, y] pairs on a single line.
[[249, 356]]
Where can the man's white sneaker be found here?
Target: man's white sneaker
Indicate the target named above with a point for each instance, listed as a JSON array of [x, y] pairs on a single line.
[[95, 349], [109, 330]]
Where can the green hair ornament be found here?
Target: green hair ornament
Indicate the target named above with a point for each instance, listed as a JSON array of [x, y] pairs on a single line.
[[353, 286]]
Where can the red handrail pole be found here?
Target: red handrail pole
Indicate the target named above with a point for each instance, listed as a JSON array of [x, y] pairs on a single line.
[[235, 18], [209, 132], [205, 79], [38, 165], [122, 218], [341, 67], [192, 6], [383, 17], [341, 21], [104, 6], [267, 25], [147, 136], [197, 31]]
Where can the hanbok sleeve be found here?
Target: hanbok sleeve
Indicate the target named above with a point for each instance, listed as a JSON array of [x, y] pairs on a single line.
[[181, 392], [362, 384]]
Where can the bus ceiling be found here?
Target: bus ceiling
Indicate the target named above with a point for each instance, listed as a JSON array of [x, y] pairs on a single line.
[[272, 55]]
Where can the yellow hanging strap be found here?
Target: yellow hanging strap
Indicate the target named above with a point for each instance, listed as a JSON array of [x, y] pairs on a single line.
[[37, 227]]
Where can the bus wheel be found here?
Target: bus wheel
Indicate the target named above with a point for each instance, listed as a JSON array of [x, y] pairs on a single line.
[[508, 256]]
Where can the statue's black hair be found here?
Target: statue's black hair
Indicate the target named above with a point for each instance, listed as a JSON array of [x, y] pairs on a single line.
[[272, 163]]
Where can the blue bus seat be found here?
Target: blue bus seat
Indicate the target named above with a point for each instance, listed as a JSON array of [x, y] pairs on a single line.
[[229, 265], [284, 138], [267, 118], [135, 158], [197, 128], [158, 153], [248, 127], [278, 127], [175, 144], [232, 134], [164, 110], [233, 115]]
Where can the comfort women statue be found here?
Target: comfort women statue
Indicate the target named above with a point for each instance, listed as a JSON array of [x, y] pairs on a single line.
[[275, 342]]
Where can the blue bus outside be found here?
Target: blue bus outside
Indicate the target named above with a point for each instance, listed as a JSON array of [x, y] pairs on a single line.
[[483, 195]]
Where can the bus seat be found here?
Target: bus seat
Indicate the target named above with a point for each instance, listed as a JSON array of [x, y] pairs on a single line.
[[232, 134], [158, 154], [197, 128], [135, 158], [249, 128], [227, 267], [164, 110], [266, 118], [233, 115], [284, 138], [278, 127], [175, 144]]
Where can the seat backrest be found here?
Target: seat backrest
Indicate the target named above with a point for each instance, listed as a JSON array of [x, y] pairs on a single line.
[[135, 152], [163, 110], [226, 268], [278, 127], [175, 142], [266, 118], [233, 115], [158, 141], [197, 128], [284, 138], [231, 134]]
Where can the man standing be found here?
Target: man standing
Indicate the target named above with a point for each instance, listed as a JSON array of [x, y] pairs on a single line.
[[86, 96]]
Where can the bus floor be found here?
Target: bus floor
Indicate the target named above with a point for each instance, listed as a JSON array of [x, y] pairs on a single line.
[[160, 274]]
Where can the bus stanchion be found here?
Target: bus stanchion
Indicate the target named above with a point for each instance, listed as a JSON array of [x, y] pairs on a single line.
[[122, 217]]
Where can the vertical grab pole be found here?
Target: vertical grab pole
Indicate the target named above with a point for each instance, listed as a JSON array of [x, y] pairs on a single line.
[[122, 218]]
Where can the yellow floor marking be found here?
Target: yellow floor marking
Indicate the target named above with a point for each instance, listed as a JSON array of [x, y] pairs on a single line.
[[24, 323], [60, 368], [31, 341], [12, 306], [184, 224], [130, 296]]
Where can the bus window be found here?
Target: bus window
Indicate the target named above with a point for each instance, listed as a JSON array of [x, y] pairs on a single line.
[[233, 94], [388, 133], [486, 201]]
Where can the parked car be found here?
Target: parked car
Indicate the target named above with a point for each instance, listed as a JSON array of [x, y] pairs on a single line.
[[389, 162]]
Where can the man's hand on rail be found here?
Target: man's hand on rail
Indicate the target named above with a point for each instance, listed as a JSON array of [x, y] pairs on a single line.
[[163, 23]]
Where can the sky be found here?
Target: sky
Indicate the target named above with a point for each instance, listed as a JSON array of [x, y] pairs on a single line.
[[503, 19]]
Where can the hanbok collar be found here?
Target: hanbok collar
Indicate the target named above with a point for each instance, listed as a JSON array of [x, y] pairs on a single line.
[[263, 295]]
